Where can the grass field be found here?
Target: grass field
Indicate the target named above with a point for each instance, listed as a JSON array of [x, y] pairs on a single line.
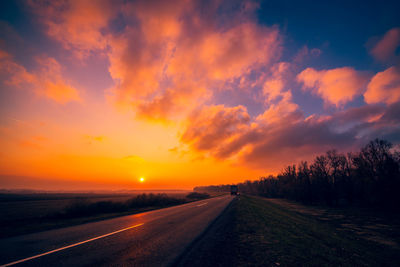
[[273, 233], [36, 206], [27, 213]]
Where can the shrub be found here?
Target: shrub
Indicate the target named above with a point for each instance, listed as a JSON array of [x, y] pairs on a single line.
[[82, 207]]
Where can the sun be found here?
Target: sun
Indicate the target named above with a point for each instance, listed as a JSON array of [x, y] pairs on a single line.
[[141, 179]]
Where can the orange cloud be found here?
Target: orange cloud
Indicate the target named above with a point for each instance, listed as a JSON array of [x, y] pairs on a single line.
[[60, 92], [173, 103], [283, 111], [165, 73], [210, 128], [159, 19], [282, 134], [274, 86], [77, 25], [224, 55], [385, 49], [15, 74], [384, 87], [52, 84], [230, 132], [165, 58], [46, 81], [336, 86]]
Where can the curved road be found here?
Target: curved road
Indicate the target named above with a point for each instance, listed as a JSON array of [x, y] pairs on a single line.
[[154, 238]]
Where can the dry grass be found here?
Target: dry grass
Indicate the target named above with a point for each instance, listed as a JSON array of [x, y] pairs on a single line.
[[273, 233], [367, 224]]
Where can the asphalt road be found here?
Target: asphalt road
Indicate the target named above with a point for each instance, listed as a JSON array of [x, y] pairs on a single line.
[[154, 238]]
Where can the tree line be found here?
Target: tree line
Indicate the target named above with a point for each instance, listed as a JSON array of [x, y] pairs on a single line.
[[370, 177]]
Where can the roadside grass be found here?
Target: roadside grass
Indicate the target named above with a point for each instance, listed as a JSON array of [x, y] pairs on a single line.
[[272, 235], [374, 224]]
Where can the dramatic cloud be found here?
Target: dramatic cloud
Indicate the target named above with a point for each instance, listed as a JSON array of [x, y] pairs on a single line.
[[336, 86], [222, 55], [165, 58], [183, 60], [213, 127], [262, 142], [385, 49], [47, 80], [282, 134], [384, 87], [158, 77], [79, 25]]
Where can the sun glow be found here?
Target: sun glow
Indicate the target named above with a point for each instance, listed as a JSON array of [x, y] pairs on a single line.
[[82, 110]]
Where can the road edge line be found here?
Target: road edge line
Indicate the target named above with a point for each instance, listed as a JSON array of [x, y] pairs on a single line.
[[70, 246]]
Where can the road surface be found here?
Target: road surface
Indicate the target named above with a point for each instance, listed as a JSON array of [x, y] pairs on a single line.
[[154, 238]]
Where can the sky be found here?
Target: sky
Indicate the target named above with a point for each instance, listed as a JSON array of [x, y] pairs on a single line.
[[97, 94]]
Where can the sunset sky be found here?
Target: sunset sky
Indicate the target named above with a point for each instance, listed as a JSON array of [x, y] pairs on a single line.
[[96, 94]]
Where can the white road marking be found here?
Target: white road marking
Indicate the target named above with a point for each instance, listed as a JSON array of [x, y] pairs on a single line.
[[70, 246], [202, 204]]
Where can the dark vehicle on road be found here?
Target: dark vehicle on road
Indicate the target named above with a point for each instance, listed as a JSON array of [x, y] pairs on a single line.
[[234, 190]]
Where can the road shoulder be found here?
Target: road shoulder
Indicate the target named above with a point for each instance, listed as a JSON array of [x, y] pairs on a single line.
[[216, 246]]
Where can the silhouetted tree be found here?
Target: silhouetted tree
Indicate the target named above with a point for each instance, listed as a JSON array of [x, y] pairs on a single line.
[[370, 177]]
